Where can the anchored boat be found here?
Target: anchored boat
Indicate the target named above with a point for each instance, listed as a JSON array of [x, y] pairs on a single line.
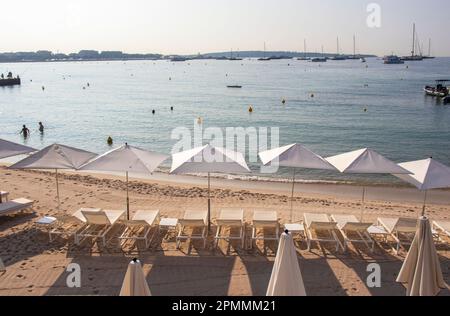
[[9, 80], [414, 56], [393, 60], [319, 60], [234, 87], [440, 90]]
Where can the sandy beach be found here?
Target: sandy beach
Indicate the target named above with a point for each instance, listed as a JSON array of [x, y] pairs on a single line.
[[36, 267]]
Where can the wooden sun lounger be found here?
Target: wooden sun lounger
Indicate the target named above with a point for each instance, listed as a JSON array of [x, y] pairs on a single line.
[[69, 225], [193, 219], [443, 227], [320, 223], [98, 224], [262, 220], [15, 206], [402, 230], [140, 226], [353, 230], [232, 218]]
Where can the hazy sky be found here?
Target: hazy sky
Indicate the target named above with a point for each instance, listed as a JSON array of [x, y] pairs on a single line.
[[192, 26]]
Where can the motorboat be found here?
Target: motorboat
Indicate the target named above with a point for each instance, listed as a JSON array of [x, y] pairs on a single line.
[[9, 80], [393, 60], [439, 91]]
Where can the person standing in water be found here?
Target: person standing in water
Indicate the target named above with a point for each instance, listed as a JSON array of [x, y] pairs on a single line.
[[41, 128], [25, 131]]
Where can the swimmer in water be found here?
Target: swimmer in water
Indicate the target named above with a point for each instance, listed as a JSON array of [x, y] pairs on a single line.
[[41, 128], [25, 132]]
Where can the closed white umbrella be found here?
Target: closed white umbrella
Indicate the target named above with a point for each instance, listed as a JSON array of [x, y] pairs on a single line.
[[2, 266], [55, 157], [126, 159], [295, 156], [134, 283], [365, 161], [10, 149], [286, 278], [421, 272], [208, 159], [426, 175]]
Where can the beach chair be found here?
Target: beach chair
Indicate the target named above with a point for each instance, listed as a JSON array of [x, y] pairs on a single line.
[[318, 225], [263, 220], [15, 206], [193, 220], [68, 225], [231, 218], [98, 224], [402, 230], [354, 231], [296, 230], [442, 227], [139, 227]]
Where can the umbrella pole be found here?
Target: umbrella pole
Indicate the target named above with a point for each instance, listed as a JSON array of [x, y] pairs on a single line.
[[128, 200], [424, 203], [363, 203], [292, 196], [57, 188], [209, 202]]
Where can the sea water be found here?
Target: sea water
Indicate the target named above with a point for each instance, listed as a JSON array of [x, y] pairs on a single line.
[[331, 108]]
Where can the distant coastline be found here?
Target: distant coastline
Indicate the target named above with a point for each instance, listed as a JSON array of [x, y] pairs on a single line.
[[93, 55]]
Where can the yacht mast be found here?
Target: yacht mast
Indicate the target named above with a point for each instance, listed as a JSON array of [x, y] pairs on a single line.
[[429, 47], [304, 48], [338, 46]]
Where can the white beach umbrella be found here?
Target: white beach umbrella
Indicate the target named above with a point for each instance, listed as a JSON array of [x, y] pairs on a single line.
[[55, 157], [208, 159], [295, 156], [421, 272], [286, 278], [10, 149], [365, 161], [134, 283], [426, 175], [126, 159]]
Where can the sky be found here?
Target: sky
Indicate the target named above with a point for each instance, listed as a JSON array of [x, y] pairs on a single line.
[[200, 26]]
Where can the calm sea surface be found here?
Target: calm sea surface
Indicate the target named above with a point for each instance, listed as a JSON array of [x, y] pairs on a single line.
[[400, 122]]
